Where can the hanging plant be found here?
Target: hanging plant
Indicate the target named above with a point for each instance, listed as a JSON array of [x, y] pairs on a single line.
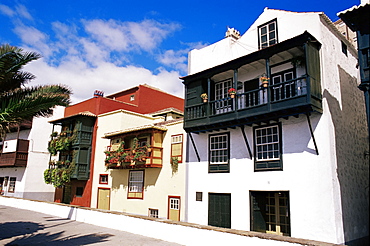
[[61, 174], [174, 164], [63, 142], [47, 176]]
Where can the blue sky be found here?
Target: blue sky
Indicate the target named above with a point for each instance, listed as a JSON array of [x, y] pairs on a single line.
[[112, 45]]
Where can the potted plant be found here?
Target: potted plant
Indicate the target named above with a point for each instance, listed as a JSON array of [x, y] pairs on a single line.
[[204, 96], [264, 81], [232, 92]]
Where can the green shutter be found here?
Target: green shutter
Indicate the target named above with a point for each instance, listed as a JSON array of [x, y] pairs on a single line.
[[313, 69]]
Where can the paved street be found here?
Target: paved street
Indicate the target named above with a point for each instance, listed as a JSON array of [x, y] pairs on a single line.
[[24, 227]]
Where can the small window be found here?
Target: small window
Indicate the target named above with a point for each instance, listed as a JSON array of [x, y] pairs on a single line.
[[176, 147], [267, 146], [175, 203], [153, 213], [79, 191], [136, 185], [344, 48], [199, 196], [219, 153], [12, 181], [132, 97], [103, 179], [267, 34]]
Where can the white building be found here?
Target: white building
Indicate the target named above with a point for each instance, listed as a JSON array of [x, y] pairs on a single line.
[[24, 158], [288, 157]]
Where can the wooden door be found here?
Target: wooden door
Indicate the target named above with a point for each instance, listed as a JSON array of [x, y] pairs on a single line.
[[219, 210], [174, 208], [103, 198]]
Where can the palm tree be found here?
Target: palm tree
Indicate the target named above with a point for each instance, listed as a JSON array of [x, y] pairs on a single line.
[[17, 102]]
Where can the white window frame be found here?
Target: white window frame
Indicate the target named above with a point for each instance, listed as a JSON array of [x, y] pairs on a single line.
[[267, 144], [221, 92], [269, 31], [219, 149], [136, 182], [174, 203], [153, 212]]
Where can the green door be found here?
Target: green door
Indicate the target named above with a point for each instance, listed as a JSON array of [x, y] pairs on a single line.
[[219, 210]]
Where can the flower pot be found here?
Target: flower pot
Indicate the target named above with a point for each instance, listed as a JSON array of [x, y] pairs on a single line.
[[205, 100], [265, 83], [232, 95]]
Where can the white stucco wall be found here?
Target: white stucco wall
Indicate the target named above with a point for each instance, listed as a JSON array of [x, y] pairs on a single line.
[[325, 190], [30, 180]]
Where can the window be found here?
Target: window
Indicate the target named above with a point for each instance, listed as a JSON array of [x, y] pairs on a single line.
[[136, 184], [267, 34], [1, 184], [79, 191], [175, 203], [103, 179], [285, 86], [270, 212], [221, 92], [267, 146], [12, 181], [153, 213], [132, 97], [176, 147], [198, 196], [219, 153]]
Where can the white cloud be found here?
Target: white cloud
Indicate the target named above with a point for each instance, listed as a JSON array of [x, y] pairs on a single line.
[[34, 38], [98, 54], [106, 77], [5, 10], [23, 12]]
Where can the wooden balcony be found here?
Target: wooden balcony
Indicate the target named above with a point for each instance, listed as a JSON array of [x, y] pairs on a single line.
[[292, 69], [130, 160], [16, 158], [280, 100]]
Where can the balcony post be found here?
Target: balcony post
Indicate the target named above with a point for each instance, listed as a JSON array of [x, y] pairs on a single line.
[[208, 112], [268, 75], [235, 104]]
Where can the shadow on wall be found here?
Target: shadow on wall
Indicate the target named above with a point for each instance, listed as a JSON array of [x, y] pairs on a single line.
[[120, 177], [351, 141], [300, 127]]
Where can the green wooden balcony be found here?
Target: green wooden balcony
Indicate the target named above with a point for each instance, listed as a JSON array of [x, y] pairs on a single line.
[[280, 100], [294, 87]]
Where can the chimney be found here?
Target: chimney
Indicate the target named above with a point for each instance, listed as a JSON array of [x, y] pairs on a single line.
[[231, 32], [98, 93]]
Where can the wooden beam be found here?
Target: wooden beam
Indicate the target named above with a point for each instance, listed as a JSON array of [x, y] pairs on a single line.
[[313, 137], [246, 141], [195, 147]]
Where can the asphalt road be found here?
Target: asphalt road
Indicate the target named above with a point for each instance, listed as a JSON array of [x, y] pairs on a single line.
[[24, 227]]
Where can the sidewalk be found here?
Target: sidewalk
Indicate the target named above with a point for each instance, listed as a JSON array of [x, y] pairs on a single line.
[[24, 227]]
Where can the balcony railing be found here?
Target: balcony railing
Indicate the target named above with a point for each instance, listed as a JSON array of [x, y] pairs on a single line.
[[15, 154], [282, 99], [139, 158], [13, 159]]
